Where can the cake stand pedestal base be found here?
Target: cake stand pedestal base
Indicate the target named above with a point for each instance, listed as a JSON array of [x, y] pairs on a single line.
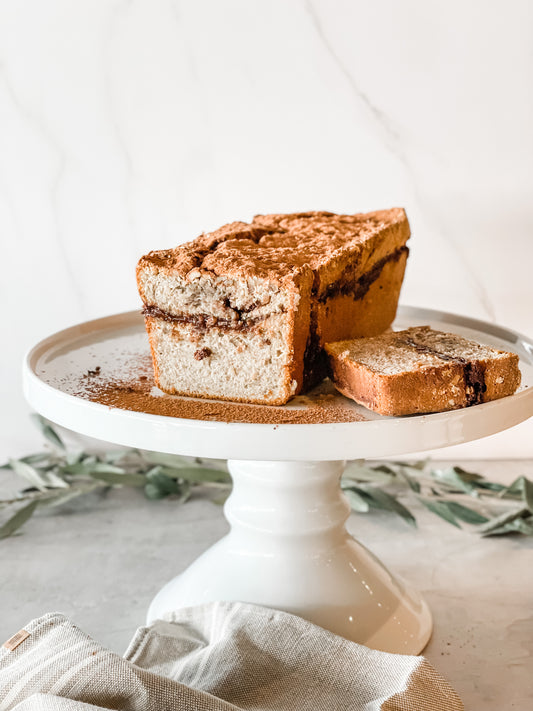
[[288, 549]]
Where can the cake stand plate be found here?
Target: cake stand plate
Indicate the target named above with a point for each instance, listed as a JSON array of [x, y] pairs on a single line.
[[288, 547]]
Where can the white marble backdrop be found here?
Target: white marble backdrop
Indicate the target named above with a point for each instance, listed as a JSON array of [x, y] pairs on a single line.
[[136, 124]]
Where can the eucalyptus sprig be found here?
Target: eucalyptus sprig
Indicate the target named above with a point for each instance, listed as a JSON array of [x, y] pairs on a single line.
[[58, 475]]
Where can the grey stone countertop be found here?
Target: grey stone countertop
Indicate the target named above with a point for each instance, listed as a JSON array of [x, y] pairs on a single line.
[[101, 562]]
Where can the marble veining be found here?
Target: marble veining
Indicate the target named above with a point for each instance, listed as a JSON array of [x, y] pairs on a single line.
[[137, 124], [384, 123]]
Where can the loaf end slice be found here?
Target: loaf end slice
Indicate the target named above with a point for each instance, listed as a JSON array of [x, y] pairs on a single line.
[[421, 370]]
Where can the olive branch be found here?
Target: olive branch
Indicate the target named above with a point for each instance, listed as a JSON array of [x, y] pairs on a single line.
[[57, 475]]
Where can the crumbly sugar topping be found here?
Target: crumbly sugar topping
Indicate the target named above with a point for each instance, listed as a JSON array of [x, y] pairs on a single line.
[[274, 246]]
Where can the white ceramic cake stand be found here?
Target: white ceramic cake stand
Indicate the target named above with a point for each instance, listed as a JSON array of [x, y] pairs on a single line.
[[287, 547]]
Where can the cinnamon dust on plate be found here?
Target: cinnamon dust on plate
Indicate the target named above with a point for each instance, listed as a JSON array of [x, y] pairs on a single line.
[[134, 389]]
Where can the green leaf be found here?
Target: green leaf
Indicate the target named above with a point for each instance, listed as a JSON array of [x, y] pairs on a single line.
[[385, 469], [527, 493], [413, 484], [524, 525], [516, 525], [456, 478], [489, 485], [170, 472], [501, 521], [48, 431], [104, 468], [165, 485], [358, 472], [441, 508], [54, 481], [116, 479], [197, 475], [40, 458], [28, 472], [466, 514], [78, 469], [18, 519], [74, 458], [89, 458], [523, 488], [379, 499], [356, 501], [152, 491], [174, 461], [159, 486], [36, 458], [466, 475], [89, 467]]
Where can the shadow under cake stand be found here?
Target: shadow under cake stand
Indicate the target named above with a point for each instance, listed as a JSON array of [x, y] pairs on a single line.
[[287, 547]]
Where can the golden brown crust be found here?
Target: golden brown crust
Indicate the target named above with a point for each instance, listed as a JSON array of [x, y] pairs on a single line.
[[277, 246], [502, 377], [341, 317], [429, 388]]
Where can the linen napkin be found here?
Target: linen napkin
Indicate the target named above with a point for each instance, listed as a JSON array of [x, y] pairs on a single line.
[[225, 656]]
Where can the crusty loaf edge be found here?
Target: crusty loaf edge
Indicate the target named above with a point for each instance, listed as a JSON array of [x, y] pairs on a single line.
[[429, 389]]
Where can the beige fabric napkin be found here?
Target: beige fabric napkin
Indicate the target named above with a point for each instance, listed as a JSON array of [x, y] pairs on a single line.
[[223, 656]]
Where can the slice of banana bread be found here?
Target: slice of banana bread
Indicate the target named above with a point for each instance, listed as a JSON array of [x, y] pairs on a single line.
[[243, 313], [421, 370]]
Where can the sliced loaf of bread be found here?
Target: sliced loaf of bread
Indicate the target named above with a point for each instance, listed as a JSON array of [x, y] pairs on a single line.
[[420, 370], [242, 313]]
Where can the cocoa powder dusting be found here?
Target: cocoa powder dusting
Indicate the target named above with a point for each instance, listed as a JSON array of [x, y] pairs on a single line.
[[138, 393]]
